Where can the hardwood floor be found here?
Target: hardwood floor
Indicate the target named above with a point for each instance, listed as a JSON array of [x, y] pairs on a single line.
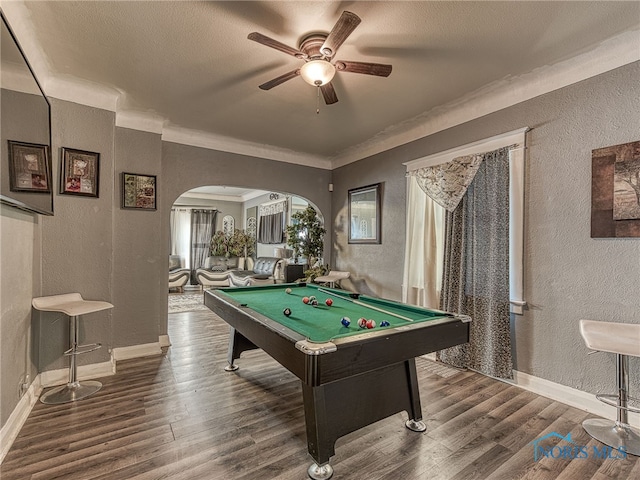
[[181, 416]]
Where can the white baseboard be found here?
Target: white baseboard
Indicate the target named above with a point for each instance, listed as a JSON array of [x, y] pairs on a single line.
[[12, 427], [164, 341], [137, 351], [569, 396]]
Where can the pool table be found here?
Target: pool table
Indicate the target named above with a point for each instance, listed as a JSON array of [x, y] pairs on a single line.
[[351, 377]]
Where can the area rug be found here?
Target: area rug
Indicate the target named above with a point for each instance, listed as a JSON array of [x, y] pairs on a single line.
[[190, 302]]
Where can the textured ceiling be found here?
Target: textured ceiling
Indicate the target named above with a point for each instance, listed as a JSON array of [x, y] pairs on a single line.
[[188, 68]]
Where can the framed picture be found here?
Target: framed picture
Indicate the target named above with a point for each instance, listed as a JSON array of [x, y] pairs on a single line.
[[29, 167], [615, 191], [138, 191], [364, 214], [80, 173]]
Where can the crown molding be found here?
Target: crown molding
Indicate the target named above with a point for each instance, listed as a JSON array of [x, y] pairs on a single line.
[[195, 138]]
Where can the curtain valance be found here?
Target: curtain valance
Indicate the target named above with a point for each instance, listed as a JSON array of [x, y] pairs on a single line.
[[272, 208], [447, 183]]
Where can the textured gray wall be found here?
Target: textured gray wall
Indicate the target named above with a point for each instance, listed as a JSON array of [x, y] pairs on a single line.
[[139, 268], [568, 275], [77, 242]]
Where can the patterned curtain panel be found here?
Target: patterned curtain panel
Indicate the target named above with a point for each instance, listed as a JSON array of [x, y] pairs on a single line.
[[203, 223], [271, 222], [476, 269], [446, 184]]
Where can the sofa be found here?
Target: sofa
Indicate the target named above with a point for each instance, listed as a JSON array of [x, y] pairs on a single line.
[[263, 272], [178, 276]]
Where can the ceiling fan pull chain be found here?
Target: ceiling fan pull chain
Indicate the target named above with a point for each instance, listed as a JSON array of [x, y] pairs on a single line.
[[318, 101]]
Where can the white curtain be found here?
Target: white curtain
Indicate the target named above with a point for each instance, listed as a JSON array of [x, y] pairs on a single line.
[[181, 234], [423, 249]]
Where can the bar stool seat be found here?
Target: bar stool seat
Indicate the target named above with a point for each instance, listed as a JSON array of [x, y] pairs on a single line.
[[623, 339], [72, 305]]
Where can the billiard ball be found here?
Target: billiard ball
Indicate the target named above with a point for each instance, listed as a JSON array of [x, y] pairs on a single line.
[[384, 323], [287, 312], [288, 290], [346, 321], [362, 322], [313, 303], [312, 298], [371, 324], [329, 302], [305, 300]]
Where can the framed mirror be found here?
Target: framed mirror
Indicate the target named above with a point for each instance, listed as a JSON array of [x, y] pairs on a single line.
[[364, 214], [25, 129]]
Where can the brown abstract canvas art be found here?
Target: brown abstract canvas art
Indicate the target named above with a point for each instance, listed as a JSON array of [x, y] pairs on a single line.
[[615, 191]]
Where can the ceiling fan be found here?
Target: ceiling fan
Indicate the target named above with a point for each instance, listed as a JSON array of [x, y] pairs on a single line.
[[317, 50]]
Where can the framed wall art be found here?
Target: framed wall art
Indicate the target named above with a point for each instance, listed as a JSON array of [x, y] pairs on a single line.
[[615, 191], [80, 173], [29, 167], [364, 214], [138, 191]]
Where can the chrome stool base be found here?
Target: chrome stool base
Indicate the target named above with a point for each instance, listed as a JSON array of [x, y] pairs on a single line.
[[70, 392], [614, 434]]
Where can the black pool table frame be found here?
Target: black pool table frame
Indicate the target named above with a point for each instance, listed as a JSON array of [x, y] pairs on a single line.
[[348, 383]]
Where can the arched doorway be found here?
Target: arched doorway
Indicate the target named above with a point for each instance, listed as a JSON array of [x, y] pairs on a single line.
[[230, 209]]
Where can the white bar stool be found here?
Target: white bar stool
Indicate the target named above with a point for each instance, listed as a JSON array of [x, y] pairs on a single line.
[[73, 305], [623, 339]]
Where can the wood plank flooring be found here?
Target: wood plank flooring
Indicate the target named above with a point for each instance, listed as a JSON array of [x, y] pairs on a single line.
[[181, 416]]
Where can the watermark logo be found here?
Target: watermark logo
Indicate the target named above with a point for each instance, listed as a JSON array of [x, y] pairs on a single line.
[[560, 450]]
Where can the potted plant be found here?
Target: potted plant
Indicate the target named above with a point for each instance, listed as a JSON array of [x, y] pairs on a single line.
[[305, 236], [239, 244]]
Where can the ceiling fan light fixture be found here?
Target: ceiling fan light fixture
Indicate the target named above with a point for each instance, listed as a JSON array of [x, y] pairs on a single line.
[[317, 72]]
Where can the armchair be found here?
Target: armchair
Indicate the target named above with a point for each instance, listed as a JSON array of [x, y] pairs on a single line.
[[178, 276], [214, 272]]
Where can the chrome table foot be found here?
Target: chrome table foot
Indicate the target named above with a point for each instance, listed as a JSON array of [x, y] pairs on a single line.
[[418, 426], [320, 472], [231, 368]]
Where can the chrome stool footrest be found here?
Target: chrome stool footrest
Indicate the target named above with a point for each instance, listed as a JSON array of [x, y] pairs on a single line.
[[81, 349], [613, 399]]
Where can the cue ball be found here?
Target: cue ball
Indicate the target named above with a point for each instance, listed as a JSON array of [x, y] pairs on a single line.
[[371, 323], [329, 302], [362, 322], [287, 312], [288, 290], [346, 321], [305, 299]]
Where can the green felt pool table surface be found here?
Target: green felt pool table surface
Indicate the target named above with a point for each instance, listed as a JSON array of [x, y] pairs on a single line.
[[323, 323]]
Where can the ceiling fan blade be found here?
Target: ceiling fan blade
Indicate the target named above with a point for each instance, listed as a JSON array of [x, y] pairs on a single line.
[[346, 24], [270, 42], [281, 79], [329, 94], [364, 67]]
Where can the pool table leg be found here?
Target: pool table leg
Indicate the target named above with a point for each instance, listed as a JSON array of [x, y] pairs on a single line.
[[238, 343], [415, 422]]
